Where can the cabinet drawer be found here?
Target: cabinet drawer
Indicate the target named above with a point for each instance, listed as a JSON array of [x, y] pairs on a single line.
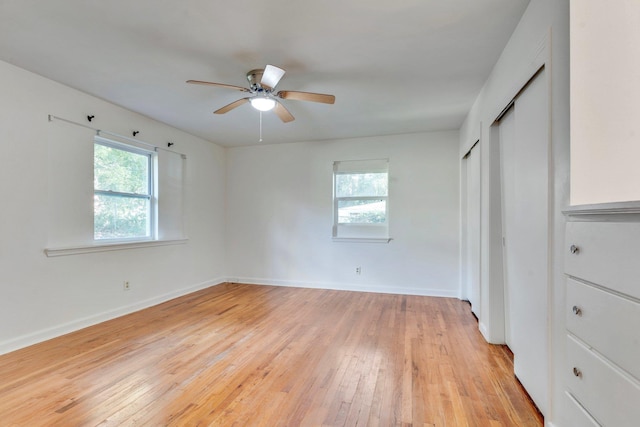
[[575, 415], [606, 322], [609, 396], [608, 253]]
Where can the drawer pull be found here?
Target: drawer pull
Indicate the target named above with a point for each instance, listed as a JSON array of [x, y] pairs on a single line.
[[574, 249], [577, 372], [577, 310]]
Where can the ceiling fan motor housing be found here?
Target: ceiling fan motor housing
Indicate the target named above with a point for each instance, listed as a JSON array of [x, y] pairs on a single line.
[[254, 77]]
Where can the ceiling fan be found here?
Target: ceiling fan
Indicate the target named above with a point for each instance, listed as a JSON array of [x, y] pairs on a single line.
[[262, 85]]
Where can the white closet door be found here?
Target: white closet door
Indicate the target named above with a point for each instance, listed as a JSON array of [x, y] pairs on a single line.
[[473, 229], [524, 143]]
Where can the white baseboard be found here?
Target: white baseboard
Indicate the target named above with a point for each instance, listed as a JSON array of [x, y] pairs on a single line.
[[56, 331], [483, 330], [350, 287]]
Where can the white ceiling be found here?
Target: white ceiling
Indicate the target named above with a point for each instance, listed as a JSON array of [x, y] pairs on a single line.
[[395, 67]]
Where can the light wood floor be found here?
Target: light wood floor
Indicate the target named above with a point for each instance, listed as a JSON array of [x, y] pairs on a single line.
[[242, 355]]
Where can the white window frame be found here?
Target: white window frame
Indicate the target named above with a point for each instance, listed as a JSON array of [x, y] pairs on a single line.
[[360, 232], [151, 195]]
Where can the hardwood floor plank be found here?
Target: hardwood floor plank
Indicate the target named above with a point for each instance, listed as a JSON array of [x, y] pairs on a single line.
[[246, 355]]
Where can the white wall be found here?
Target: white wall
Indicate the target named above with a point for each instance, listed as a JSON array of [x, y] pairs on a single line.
[[280, 216], [605, 88], [542, 36], [43, 297]]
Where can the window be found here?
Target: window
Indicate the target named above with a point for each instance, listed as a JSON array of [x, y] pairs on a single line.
[[360, 199], [123, 192], [138, 194]]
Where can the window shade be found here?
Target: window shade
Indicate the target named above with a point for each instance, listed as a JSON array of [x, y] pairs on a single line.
[[361, 166]]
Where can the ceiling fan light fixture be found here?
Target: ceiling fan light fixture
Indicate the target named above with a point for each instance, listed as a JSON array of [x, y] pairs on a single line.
[[262, 103]]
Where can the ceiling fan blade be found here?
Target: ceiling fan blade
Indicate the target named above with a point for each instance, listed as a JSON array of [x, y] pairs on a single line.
[[199, 82], [231, 106], [283, 113], [271, 76], [307, 96]]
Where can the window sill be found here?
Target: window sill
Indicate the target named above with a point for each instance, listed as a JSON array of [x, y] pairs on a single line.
[[362, 239], [55, 252]]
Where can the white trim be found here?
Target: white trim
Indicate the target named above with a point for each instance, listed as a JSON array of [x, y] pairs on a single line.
[[632, 207], [75, 250], [75, 325], [362, 239], [485, 333], [413, 290]]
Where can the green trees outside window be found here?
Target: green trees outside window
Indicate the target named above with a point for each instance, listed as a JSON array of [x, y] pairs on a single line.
[[361, 197], [122, 193]]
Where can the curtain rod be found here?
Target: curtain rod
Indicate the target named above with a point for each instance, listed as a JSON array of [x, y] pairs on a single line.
[[117, 135]]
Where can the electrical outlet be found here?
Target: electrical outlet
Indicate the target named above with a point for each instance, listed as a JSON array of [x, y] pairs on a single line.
[[358, 270], [126, 285]]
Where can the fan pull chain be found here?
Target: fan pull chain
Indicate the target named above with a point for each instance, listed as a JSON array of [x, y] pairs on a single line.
[[260, 140]]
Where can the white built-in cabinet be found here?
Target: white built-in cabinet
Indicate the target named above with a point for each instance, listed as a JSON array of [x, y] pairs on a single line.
[[602, 247], [602, 313]]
